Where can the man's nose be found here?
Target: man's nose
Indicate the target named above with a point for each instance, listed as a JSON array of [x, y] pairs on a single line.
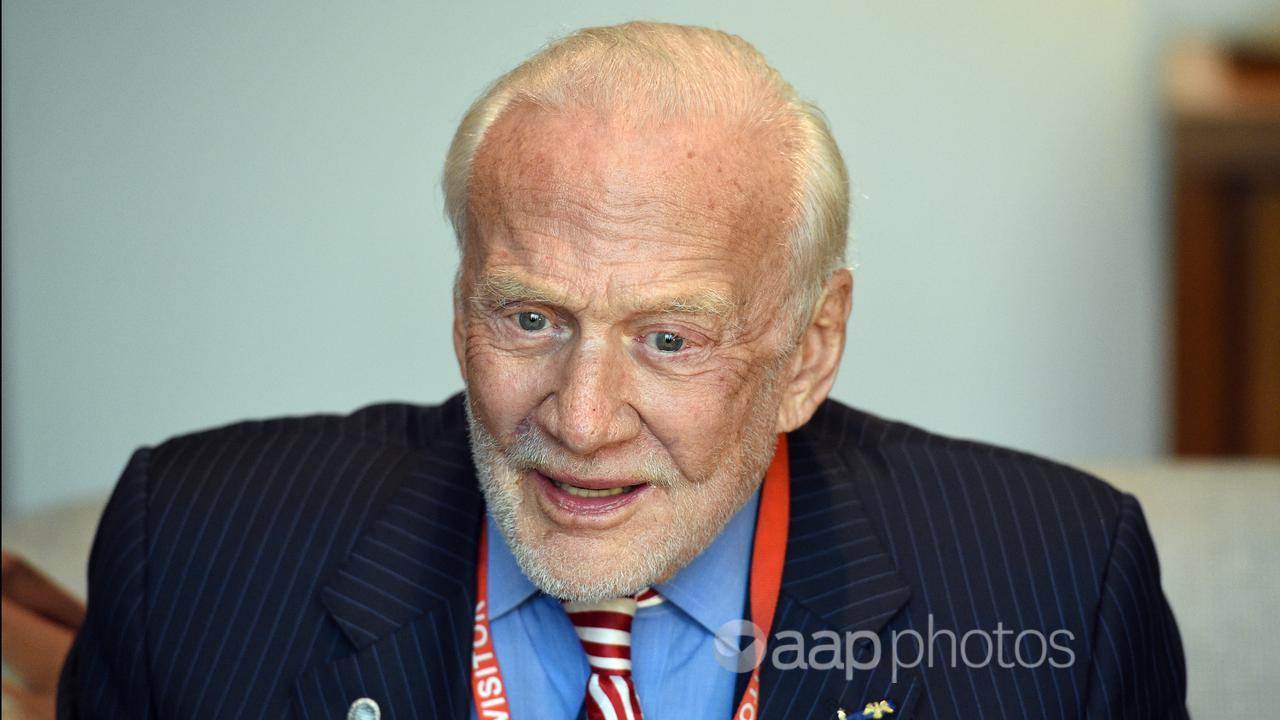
[[590, 409]]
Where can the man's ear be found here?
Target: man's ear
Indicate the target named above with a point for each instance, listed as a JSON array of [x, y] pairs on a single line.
[[459, 333], [459, 348], [816, 359]]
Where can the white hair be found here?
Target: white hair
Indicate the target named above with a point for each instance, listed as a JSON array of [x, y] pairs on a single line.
[[658, 70]]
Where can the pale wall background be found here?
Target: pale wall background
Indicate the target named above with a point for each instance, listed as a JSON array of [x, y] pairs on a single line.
[[220, 210]]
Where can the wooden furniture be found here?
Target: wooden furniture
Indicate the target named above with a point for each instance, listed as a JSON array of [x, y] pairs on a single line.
[[1224, 115]]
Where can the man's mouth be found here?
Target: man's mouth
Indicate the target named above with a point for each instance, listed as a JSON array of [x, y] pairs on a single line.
[[590, 492], [588, 503]]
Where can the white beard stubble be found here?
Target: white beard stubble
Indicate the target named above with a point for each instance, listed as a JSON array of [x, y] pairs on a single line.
[[646, 560]]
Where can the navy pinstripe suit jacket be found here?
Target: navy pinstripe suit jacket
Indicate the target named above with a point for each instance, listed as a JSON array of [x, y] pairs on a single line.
[[285, 568]]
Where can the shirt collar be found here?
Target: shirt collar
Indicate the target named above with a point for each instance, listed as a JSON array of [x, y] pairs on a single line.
[[508, 587], [711, 589]]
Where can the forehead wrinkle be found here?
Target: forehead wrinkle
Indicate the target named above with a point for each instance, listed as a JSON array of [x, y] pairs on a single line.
[[504, 287], [601, 216]]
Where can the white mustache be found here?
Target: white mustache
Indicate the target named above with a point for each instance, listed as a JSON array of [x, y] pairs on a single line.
[[532, 451]]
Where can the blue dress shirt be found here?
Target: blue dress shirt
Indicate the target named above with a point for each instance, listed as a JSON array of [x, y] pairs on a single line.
[[672, 654]]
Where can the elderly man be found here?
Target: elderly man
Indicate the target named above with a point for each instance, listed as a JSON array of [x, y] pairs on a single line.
[[649, 314]]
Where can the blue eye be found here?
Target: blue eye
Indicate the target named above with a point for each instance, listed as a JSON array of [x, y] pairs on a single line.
[[532, 321], [666, 342]]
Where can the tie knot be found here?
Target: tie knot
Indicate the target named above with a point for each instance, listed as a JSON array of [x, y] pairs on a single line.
[[604, 628]]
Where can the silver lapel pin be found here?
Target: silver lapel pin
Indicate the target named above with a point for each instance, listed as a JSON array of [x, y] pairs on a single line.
[[364, 709]]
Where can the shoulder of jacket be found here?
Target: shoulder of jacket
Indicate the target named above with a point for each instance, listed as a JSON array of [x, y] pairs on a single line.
[[394, 424], [863, 440]]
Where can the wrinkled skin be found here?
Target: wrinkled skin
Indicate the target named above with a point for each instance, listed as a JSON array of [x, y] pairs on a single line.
[[622, 303]]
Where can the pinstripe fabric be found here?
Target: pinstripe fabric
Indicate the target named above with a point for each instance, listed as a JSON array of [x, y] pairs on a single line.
[[893, 527], [285, 568]]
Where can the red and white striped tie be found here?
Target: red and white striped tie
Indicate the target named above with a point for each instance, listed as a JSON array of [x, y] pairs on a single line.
[[605, 631]]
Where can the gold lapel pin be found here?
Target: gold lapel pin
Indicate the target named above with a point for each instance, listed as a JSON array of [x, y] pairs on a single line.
[[878, 710]]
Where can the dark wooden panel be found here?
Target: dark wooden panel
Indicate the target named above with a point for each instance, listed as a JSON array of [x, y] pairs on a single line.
[[1226, 264], [1262, 324]]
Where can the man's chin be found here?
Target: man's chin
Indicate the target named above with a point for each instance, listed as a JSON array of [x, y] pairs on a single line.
[[587, 567]]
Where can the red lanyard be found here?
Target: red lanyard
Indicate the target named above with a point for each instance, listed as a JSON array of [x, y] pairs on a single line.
[[767, 554]]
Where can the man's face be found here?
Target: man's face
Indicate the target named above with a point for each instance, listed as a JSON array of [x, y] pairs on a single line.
[[620, 333]]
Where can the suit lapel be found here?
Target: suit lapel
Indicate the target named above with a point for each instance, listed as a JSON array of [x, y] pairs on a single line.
[[404, 598], [837, 578]]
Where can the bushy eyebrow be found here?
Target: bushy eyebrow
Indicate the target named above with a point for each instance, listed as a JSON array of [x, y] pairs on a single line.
[[502, 289], [712, 303]]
